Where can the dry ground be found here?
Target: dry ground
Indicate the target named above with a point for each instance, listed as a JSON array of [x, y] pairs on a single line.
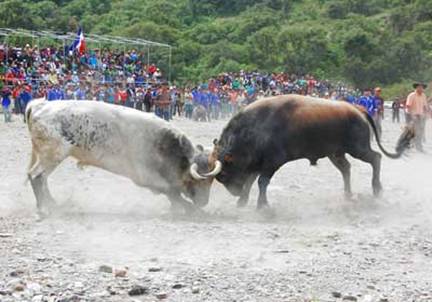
[[317, 247]]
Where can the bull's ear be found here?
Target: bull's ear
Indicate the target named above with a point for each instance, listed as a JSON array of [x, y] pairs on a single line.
[[215, 142], [200, 148]]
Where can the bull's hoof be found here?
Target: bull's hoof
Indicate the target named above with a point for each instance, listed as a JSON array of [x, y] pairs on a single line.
[[377, 193], [348, 195], [176, 209], [186, 208], [377, 190], [267, 212], [241, 203], [48, 207], [44, 213]]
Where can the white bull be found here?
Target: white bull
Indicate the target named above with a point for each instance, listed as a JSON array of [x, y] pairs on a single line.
[[124, 141]]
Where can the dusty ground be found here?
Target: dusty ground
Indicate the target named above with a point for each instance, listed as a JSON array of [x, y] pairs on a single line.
[[318, 247]]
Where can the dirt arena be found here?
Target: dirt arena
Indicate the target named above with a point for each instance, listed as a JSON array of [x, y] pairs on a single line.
[[317, 247]]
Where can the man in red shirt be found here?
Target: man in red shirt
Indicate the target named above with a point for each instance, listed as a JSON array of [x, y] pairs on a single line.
[[121, 96], [163, 103], [152, 69]]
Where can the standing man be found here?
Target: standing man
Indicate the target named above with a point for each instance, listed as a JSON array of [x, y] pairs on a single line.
[[148, 100], [25, 97], [188, 106], [163, 103], [80, 93], [173, 102], [130, 98], [6, 104], [379, 103], [416, 108], [367, 102], [396, 105]]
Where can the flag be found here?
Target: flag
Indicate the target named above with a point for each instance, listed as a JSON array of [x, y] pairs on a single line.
[[79, 43]]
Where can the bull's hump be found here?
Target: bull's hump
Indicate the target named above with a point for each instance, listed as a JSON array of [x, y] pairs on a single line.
[[300, 103]]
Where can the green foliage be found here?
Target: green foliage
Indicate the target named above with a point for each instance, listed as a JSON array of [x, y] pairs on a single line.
[[368, 43]]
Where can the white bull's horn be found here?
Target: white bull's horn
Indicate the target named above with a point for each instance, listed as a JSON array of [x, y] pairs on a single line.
[[216, 170], [194, 172]]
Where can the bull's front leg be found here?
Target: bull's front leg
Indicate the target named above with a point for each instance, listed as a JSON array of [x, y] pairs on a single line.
[[244, 197], [178, 203]]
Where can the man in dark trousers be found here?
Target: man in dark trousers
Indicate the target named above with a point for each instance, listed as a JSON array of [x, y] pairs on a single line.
[[148, 100], [163, 103], [396, 111]]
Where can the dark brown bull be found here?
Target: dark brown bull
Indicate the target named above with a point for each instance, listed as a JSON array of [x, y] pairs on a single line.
[[273, 131]]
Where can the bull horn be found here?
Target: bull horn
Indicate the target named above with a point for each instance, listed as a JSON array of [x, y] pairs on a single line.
[[194, 172], [216, 170]]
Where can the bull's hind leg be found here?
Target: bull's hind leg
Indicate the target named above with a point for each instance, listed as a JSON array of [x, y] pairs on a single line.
[[38, 173], [344, 167], [374, 158], [263, 182]]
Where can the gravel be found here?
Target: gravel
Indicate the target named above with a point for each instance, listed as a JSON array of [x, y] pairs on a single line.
[[316, 247]]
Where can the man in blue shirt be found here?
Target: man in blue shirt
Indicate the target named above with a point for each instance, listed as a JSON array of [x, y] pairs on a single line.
[[351, 99], [25, 97], [80, 93], [215, 105], [55, 93], [6, 102], [205, 102], [51, 94], [368, 102]]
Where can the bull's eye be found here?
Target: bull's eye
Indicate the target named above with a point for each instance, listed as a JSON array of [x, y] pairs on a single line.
[[228, 158]]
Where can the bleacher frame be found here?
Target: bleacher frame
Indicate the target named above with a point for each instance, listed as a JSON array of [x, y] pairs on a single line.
[[68, 37]]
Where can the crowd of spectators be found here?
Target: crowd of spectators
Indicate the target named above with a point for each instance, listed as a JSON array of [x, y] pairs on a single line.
[[123, 78]]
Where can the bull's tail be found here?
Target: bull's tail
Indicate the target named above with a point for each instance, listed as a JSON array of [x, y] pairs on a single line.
[[27, 116], [34, 104], [403, 143]]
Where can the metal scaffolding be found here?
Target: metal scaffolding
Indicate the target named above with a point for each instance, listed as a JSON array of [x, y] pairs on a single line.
[[66, 37]]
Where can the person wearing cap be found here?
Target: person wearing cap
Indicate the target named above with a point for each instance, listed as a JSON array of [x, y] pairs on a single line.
[[416, 112], [379, 102]]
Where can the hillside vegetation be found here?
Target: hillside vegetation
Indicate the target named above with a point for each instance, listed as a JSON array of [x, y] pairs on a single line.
[[376, 42]]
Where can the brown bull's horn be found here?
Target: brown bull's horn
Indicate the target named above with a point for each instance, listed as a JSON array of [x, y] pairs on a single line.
[[216, 170], [194, 172]]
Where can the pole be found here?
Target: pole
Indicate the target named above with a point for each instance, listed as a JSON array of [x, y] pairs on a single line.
[[7, 48], [64, 54], [148, 65], [169, 65]]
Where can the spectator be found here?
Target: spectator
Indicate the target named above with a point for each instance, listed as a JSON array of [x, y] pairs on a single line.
[[81, 92], [139, 99], [25, 98], [148, 100], [416, 107], [130, 99], [6, 103], [379, 115], [163, 103], [188, 107], [367, 102], [396, 105]]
